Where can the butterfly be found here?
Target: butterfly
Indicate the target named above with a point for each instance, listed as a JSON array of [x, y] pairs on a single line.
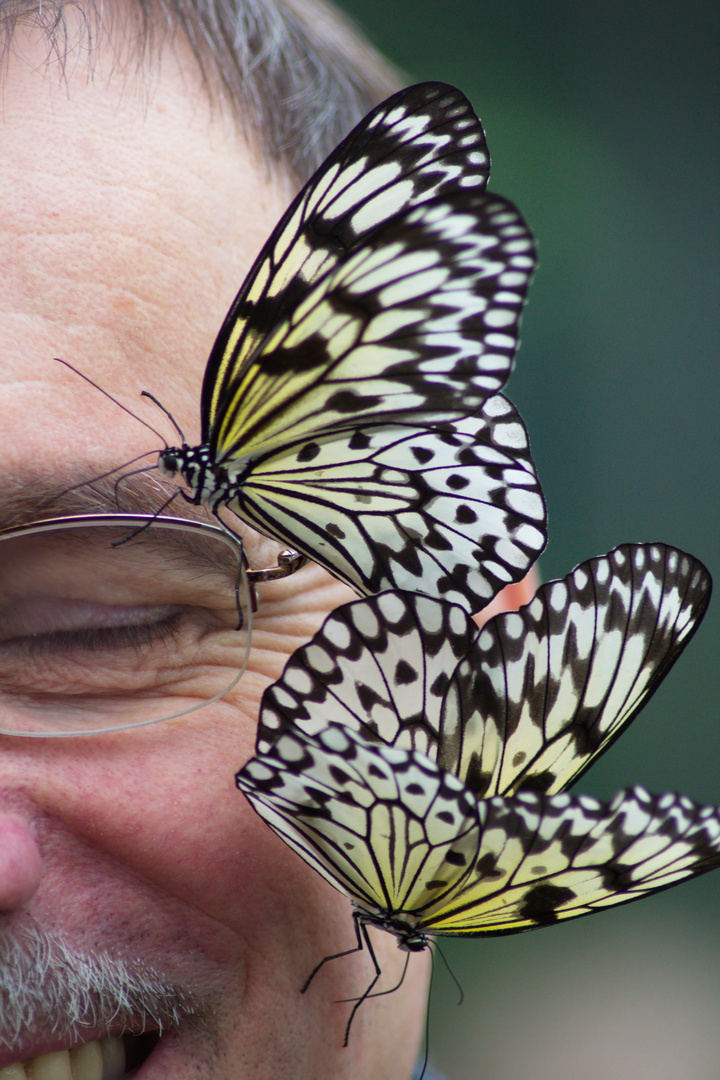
[[418, 762], [420, 854], [529, 700], [350, 405]]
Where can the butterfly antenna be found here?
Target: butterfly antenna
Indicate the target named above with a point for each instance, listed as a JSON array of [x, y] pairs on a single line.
[[150, 521], [120, 404], [427, 1020], [171, 418], [450, 972]]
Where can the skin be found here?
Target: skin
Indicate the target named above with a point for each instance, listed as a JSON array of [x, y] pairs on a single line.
[[131, 213]]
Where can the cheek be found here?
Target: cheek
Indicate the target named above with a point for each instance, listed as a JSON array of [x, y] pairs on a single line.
[[168, 811]]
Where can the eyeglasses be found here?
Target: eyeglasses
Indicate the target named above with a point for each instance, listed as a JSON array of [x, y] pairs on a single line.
[[119, 621]]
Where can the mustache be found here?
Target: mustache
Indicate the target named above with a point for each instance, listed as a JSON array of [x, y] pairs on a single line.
[[49, 988]]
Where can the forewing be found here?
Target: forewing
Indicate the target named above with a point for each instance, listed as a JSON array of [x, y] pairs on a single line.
[[546, 858], [555, 683], [420, 325], [379, 823], [416, 146], [455, 512]]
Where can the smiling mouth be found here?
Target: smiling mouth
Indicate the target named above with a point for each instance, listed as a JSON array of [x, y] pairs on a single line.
[[103, 1059]]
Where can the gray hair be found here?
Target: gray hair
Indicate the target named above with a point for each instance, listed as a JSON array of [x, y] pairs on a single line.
[[47, 986], [296, 75]]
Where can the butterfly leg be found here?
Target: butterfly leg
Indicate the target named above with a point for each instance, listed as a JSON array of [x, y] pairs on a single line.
[[363, 942], [336, 956], [362, 929], [148, 523], [382, 993]]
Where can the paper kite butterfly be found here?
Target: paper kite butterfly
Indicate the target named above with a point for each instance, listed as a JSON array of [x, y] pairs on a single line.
[[418, 762], [350, 404]]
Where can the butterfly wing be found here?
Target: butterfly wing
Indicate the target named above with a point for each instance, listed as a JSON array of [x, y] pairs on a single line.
[[528, 701], [380, 666], [387, 300], [544, 858], [456, 511], [373, 822], [556, 682], [405, 839], [418, 145], [419, 326]]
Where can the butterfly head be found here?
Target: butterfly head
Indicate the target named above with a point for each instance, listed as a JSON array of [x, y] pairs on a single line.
[[194, 465], [170, 462], [413, 941]]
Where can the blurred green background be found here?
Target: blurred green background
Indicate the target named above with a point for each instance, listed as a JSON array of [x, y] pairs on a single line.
[[602, 122]]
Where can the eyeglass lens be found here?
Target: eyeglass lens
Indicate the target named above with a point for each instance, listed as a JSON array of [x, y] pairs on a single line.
[[96, 635]]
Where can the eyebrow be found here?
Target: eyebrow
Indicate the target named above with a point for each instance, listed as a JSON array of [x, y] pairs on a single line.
[[85, 490], [88, 491], [185, 552]]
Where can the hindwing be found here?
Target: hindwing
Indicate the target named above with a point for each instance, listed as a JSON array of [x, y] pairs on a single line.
[[457, 511], [544, 858], [417, 852]]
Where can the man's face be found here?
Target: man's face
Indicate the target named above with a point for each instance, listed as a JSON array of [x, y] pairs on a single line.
[[130, 215]]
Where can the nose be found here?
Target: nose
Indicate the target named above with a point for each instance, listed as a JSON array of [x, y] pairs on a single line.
[[20, 862]]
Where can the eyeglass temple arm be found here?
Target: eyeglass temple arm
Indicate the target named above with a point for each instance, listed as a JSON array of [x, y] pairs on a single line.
[[287, 563]]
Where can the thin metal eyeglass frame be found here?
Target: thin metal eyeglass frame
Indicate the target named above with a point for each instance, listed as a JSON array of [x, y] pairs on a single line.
[[288, 562]]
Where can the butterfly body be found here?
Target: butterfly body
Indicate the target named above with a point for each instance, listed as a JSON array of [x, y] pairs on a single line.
[[401, 926], [351, 399], [209, 481]]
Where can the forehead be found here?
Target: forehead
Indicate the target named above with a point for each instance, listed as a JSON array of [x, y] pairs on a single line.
[[131, 211]]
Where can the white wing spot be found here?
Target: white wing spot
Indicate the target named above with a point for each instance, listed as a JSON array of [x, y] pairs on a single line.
[[558, 596]]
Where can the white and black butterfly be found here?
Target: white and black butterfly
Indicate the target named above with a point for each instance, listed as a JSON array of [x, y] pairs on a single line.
[[527, 701], [419, 854], [417, 762], [350, 404]]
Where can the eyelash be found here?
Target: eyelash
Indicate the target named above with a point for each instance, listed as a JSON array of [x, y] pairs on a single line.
[[102, 638]]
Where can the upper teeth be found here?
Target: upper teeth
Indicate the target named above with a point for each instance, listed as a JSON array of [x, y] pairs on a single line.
[[103, 1059]]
